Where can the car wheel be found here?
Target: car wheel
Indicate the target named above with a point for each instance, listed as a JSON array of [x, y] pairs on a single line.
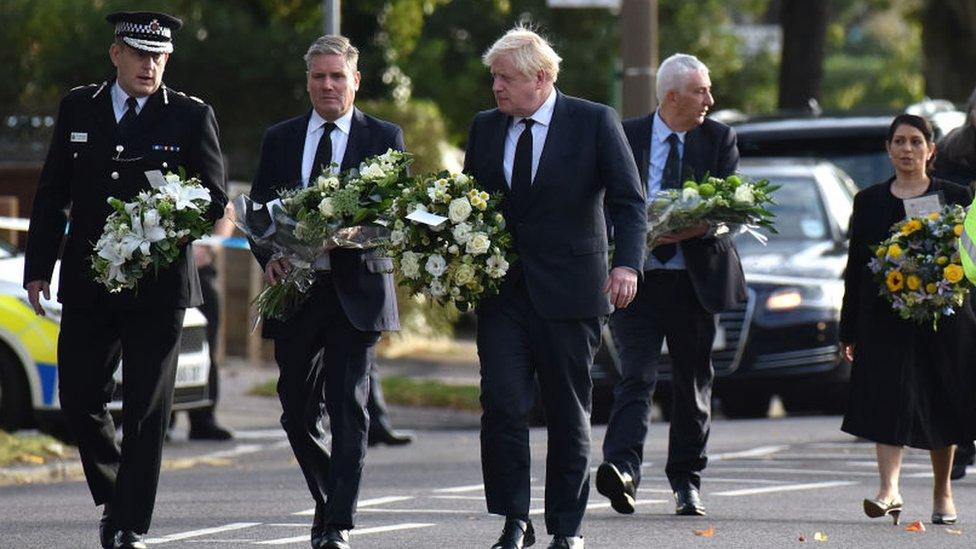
[[14, 396], [745, 405]]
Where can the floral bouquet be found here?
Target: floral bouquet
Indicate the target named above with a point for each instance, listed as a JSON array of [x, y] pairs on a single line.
[[918, 268], [149, 233], [337, 210], [713, 200], [449, 241]]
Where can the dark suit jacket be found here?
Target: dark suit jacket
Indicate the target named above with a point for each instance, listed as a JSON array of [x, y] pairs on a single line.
[[172, 131], [559, 228], [712, 263], [363, 279]]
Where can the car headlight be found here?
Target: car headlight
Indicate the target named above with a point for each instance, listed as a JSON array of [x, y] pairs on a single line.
[[828, 296]]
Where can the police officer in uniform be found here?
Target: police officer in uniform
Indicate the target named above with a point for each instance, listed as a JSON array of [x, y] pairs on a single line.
[[107, 137]]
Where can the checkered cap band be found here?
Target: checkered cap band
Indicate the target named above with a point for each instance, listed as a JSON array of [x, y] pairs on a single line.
[[153, 29]]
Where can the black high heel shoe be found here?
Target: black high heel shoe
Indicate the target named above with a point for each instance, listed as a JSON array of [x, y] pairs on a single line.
[[876, 508]]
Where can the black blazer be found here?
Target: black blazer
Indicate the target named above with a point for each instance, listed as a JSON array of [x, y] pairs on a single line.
[[559, 229], [712, 262], [84, 168], [363, 279]]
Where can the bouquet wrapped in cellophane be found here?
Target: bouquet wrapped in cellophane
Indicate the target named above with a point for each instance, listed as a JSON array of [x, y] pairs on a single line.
[[740, 204], [337, 210], [150, 232], [918, 268]]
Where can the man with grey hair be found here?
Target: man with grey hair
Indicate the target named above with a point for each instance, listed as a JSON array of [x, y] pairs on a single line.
[[689, 277], [558, 159], [324, 349]]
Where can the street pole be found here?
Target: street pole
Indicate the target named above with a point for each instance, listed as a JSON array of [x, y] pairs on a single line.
[[638, 51], [331, 17]]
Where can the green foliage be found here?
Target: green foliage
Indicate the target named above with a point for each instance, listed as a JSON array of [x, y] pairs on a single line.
[[424, 129], [407, 391]]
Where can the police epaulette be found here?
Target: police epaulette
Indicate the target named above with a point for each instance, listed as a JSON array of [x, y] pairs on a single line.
[[83, 86], [192, 97], [99, 90]]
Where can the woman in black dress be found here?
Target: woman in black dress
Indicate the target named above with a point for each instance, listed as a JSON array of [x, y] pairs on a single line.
[[909, 384]]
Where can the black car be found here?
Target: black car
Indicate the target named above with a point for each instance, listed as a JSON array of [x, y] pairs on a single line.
[[784, 339]]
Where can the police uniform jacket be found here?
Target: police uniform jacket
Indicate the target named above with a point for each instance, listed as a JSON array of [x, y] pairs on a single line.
[[90, 161]]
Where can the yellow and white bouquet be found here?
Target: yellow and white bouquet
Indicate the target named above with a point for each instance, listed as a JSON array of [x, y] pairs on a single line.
[[918, 268]]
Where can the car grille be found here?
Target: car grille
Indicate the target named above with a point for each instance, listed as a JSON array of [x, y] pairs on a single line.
[[193, 339], [736, 323]]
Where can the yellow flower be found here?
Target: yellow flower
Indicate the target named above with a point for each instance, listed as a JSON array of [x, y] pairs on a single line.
[[894, 251], [934, 216], [953, 273], [911, 226], [913, 282], [895, 280], [931, 288], [881, 251], [957, 229], [941, 260]]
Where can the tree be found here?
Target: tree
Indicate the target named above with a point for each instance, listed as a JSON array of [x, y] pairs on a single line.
[[804, 36], [949, 43]]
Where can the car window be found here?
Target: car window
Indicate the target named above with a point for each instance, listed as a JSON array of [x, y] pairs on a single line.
[[6, 249], [863, 157], [799, 209], [839, 199]]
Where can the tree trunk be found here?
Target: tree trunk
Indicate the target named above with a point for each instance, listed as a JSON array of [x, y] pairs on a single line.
[[804, 24], [949, 46]]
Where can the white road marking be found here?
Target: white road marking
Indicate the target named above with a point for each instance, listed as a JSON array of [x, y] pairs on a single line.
[[237, 451], [355, 532], [473, 498], [874, 465], [722, 480], [257, 434], [788, 471], [605, 505], [203, 532], [754, 452], [361, 504], [415, 511], [786, 488], [460, 489]]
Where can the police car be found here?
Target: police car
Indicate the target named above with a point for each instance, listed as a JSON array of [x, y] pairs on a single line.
[[28, 355]]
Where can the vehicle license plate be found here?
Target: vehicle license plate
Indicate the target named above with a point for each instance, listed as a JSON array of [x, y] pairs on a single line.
[[190, 374]]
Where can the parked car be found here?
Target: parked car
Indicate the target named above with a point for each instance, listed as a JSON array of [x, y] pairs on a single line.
[[784, 339], [28, 355], [854, 142]]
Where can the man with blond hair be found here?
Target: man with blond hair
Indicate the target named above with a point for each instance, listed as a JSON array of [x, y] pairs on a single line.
[[324, 349], [558, 159]]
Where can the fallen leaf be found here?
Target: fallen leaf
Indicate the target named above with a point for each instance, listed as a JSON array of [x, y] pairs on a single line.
[[707, 533], [953, 531], [916, 526], [31, 458], [802, 538], [820, 536]]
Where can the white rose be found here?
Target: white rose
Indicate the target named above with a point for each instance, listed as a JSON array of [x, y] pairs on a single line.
[[327, 182], [459, 210], [326, 208], [464, 274], [478, 244], [436, 288], [435, 265], [373, 171], [397, 238], [462, 233], [496, 266], [743, 194], [453, 249], [689, 194], [410, 265]]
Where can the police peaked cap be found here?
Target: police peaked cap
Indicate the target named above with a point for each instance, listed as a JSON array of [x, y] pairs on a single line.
[[145, 30]]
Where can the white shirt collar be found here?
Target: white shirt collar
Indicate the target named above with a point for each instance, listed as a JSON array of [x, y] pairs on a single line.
[[119, 96], [344, 122], [660, 130], [542, 115]]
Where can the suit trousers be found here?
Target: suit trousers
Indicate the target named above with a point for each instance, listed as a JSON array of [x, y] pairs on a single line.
[[516, 347], [323, 362], [204, 417], [379, 415], [89, 347], [665, 306]]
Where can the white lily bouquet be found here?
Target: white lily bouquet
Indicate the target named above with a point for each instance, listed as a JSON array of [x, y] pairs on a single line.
[[732, 201], [449, 241], [150, 232], [337, 210]]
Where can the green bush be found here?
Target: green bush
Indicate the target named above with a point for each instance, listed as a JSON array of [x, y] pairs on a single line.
[[423, 126]]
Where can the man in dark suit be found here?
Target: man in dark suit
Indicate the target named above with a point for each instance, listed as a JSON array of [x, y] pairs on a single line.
[[558, 159], [324, 349], [107, 137], [689, 277]]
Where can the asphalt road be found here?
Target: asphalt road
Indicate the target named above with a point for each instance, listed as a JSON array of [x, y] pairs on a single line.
[[770, 482]]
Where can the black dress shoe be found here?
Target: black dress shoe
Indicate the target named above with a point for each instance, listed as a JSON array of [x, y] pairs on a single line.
[[688, 503], [516, 534], [335, 538], [106, 532], [617, 487], [566, 542], [389, 437], [127, 539], [210, 432], [318, 526]]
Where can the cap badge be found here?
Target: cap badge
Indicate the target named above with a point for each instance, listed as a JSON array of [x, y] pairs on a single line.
[[154, 25]]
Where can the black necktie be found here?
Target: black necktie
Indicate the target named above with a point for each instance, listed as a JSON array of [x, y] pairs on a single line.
[[522, 166], [670, 179], [323, 153], [129, 116]]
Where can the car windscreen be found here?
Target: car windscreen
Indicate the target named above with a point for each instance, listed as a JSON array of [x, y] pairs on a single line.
[[799, 210], [6, 249], [861, 157]]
